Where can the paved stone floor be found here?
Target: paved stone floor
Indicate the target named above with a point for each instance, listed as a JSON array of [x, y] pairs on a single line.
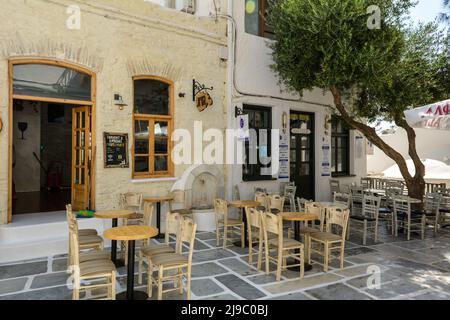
[[415, 269]]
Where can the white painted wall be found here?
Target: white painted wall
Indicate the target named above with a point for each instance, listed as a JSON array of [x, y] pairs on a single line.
[[257, 84], [431, 144]]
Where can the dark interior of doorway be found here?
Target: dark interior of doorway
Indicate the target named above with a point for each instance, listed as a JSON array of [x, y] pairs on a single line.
[[42, 155]]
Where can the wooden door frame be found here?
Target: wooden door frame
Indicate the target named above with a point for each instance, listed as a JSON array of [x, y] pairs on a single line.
[[313, 146], [92, 103]]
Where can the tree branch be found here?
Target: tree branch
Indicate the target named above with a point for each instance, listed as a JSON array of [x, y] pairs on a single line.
[[370, 134]]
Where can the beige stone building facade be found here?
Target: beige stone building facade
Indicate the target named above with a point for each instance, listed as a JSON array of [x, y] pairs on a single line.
[[114, 44]]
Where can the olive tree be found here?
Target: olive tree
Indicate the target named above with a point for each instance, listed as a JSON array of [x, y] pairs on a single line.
[[375, 63]]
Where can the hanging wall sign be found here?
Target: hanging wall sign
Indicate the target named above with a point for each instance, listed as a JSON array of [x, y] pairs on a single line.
[[326, 167], [243, 132], [116, 150], [201, 96], [283, 174]]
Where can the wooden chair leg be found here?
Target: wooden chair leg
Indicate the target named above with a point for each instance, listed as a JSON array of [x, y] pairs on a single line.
[[113, 286], [150, 279], [364, 232], [250, 249], [342, 256], [424, 221], [140, 266], [188, 284], [376, 231], [225, 236], [267, 262], [279, 263], [260, 253], [242, 236], [217, 234], [160, 282], [326, 257], [348, 229], [180, 280], [302, 263]]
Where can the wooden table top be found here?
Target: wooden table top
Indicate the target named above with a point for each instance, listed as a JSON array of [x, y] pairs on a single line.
[[297, 216], [114, 214], [128, 233], [244, 204], [158, 199]]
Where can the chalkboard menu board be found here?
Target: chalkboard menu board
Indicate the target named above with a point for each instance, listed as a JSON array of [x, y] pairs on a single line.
[[116, 150]]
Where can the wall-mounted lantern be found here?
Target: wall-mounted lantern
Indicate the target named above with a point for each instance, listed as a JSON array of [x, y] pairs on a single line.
[[118, 101]]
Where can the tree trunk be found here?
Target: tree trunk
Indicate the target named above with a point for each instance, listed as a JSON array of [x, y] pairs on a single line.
[[416, 184]]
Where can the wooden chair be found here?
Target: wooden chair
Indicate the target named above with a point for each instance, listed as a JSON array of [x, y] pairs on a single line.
[[444, 210], [87, 238], [333, 238], [96, 245], [92, 270], [148, 250], [263, 199], [431, 210], [334, 186], [255, 234], [301, 202], [405, 219], [229, 225], [342, 198], [174, 262], [357, 199], [259, 189], [366, 183], [369, 216], [179, 199], [283, 247], [132, 201], [275, 203], [289, 197]]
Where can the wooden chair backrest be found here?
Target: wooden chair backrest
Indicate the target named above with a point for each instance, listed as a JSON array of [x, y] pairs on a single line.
[[74, 244], [276, 202], [301, 203], [365, 183], [319, 211], [259, 189], [253, 217], [357, 194], [334, 186], [172, 225], [221, 210], [371, 206], [402, 205], [289, 191], [149, 208], [186, 234], [131, 200], [342, 198], [273, 223], [337, 217], [262, 198], [433, 202]]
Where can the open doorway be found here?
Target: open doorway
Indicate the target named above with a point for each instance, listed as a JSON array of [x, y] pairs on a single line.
[[42, 156]]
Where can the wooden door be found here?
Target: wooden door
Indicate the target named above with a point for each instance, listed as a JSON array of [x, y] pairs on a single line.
[[81, 148], [302, 154]]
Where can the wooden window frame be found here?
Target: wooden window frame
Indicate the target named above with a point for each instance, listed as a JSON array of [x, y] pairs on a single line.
[[335, 136], [264, 30], [151, 121], [258, 166]]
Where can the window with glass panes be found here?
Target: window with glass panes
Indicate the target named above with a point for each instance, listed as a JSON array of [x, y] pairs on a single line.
[[340, 147], [256, 18], [153, 114], [257, 165]]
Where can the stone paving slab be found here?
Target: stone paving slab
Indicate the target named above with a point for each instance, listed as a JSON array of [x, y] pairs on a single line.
[[49, 280], [205, 287], [13, 285], [207, 269], [241, 288], [21, 270], [307, 282], [338, 291]]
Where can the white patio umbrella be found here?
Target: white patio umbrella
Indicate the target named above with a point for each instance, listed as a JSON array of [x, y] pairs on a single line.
[[433, 116], [433, 170]]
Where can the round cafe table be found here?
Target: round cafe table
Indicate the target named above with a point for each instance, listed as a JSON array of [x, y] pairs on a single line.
[[242, 204], [131, 234], [159, 201], [115, 215], [298, 217]]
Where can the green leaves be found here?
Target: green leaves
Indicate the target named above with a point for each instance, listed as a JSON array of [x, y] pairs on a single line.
[[325, 43]]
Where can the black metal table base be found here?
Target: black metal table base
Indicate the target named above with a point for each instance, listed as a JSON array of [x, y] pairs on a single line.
[[244, 220], [158, 221]]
